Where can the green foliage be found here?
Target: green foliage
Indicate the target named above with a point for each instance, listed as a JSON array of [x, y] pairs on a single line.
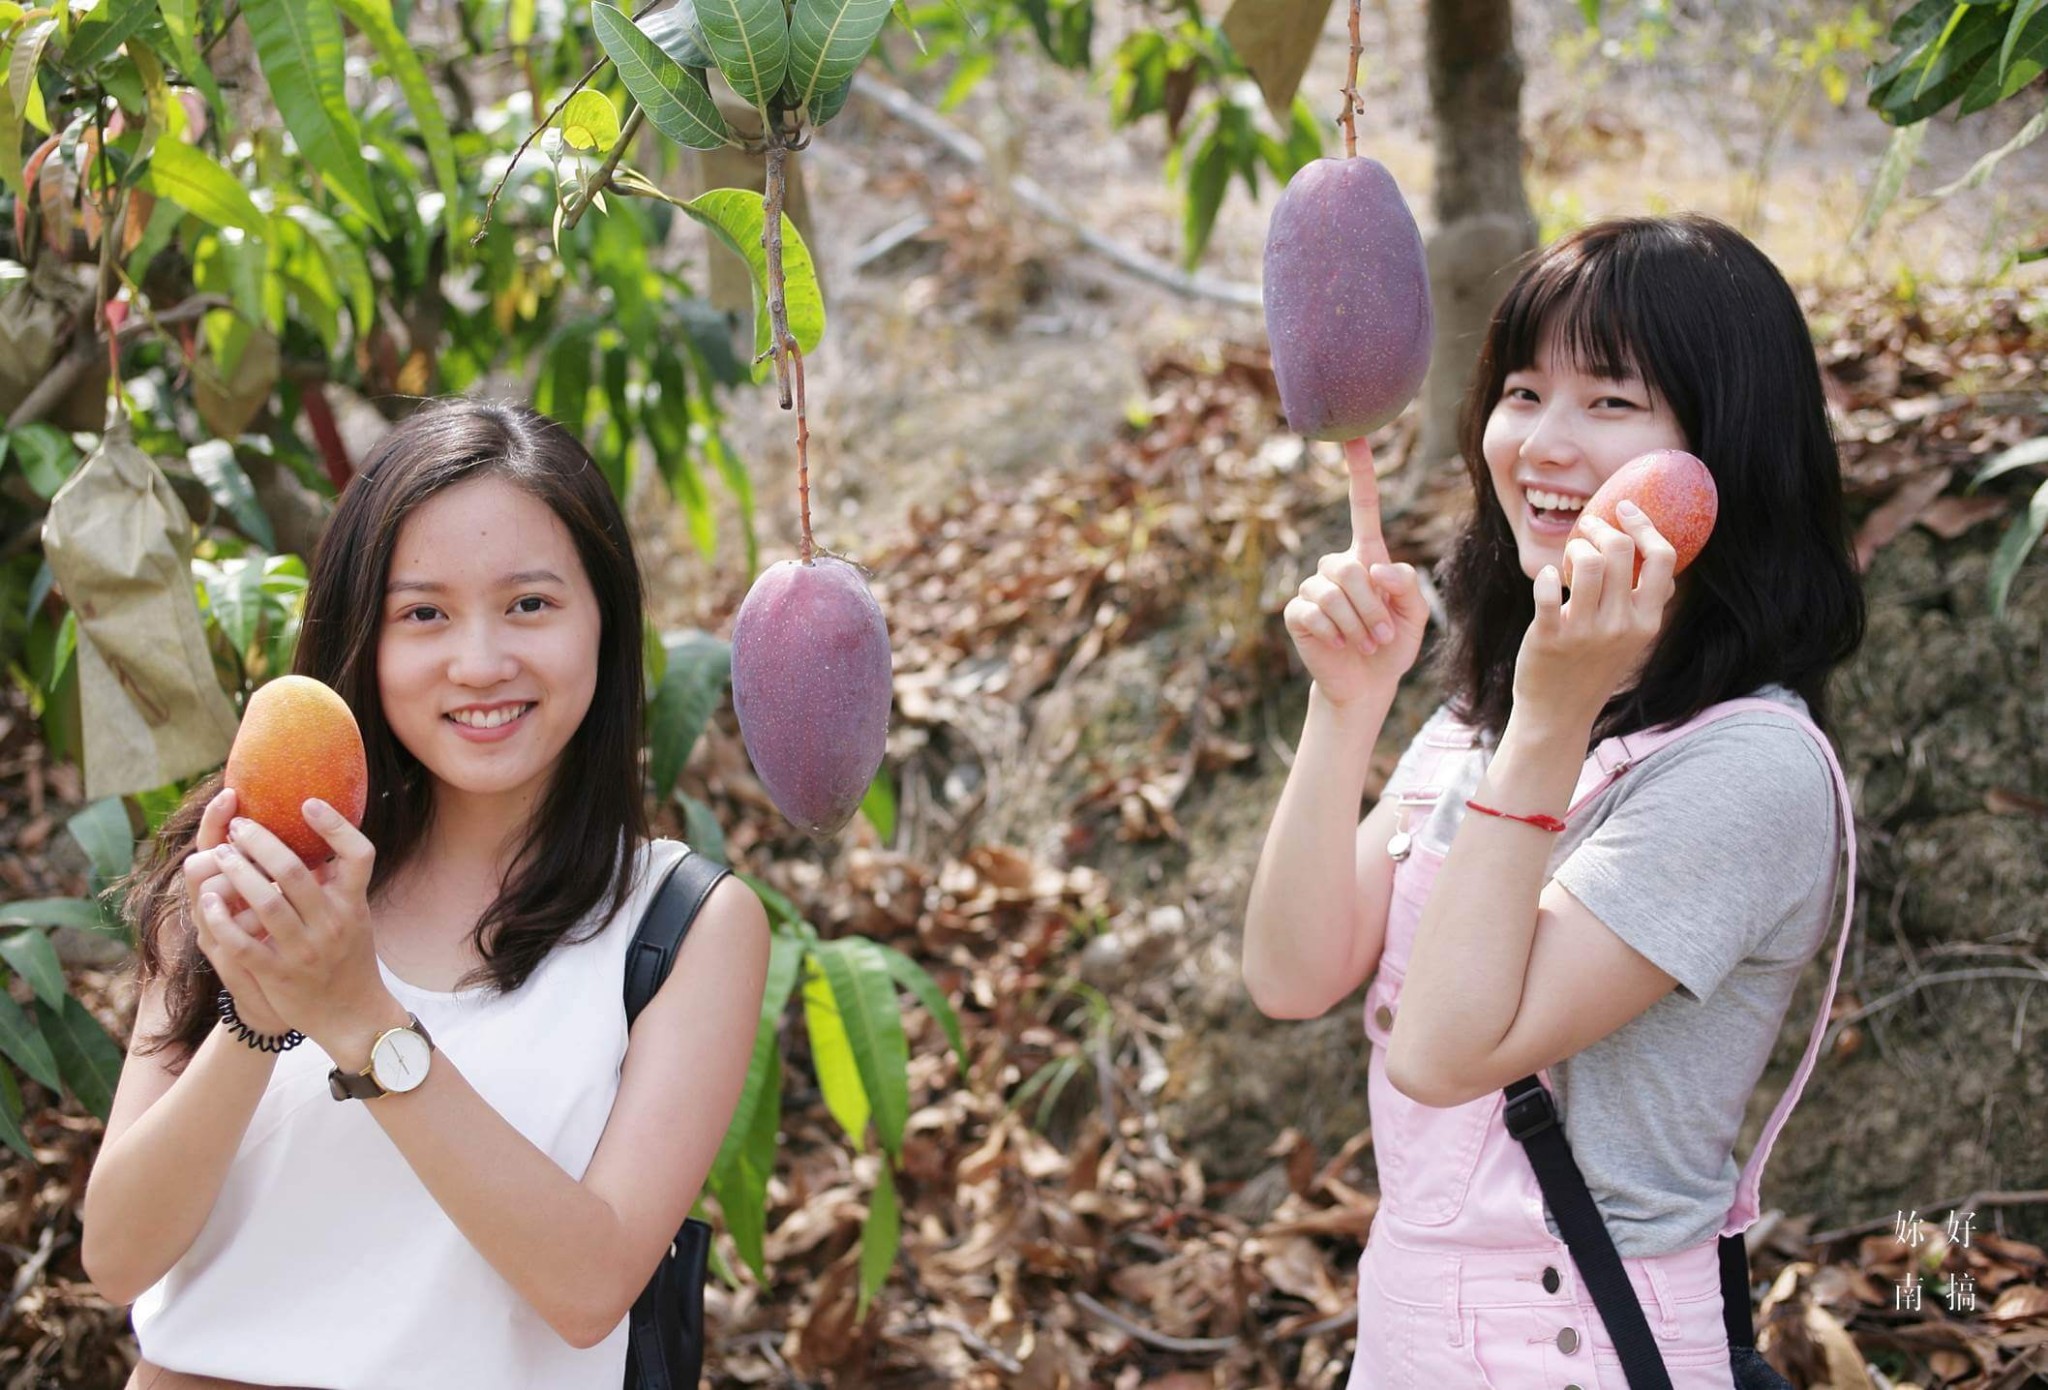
[[1178, 67], [2025, 532]]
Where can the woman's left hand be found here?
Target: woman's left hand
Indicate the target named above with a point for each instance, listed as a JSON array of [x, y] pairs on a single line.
[[318, 965], [1577, 654]]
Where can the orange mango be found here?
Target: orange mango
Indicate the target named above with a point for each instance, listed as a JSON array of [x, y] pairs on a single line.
[[297, 740]]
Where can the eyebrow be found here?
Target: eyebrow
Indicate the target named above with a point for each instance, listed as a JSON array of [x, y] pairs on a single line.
[[428, 586]]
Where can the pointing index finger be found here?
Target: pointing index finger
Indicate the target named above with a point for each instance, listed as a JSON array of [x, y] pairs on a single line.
[[1366, 541]]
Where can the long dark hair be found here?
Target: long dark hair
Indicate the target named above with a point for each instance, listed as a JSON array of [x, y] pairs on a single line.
[[580, 838], [1704, 318]]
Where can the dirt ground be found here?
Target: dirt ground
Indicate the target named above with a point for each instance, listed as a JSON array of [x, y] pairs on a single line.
[[1003, 350]]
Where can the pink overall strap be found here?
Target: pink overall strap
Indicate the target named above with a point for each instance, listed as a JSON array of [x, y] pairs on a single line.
[[1616, 755]]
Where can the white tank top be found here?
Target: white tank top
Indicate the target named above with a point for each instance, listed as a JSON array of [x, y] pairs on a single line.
[[325, 1263]]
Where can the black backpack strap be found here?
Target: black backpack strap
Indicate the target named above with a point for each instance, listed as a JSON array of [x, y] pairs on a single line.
[[1532, 1119], [674, 907]]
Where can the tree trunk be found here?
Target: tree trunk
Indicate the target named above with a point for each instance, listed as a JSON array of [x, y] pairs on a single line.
[[1483, 222]]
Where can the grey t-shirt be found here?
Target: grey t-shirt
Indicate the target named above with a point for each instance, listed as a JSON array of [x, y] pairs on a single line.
[[1716, 858]]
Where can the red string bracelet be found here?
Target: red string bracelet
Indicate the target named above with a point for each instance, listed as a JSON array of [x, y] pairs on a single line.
[[1541, 822]]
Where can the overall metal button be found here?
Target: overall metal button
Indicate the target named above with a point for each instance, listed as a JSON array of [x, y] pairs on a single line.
[[1571, 1387], [1568, 1341], [1397, 847], [1383, 1016], [1550, 1279]]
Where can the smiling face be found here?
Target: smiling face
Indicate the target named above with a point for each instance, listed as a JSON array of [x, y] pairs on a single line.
[[487, 651], [1556, 433]]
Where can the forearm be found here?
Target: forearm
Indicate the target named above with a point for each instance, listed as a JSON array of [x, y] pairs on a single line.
[[138, 1224], [1471, 952], [550, 1237], [1303, 918]]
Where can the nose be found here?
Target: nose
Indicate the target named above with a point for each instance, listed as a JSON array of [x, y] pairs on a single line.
[[481, 658], [1550, 440]]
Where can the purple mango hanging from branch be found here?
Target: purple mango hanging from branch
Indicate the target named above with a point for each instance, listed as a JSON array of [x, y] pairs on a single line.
[[811, 669], [1346, 290]]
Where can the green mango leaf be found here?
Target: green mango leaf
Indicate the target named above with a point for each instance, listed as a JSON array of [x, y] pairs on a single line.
[[2020, 62], [402, 61], [30, 955], [913, 977], [830, 102], [881, 1236], [2014, 546], [48, 457], [675, 31], [2022, 12], [299, 47], [24, 1043], [10, 1115], [832, 1056], [88, 1060], [700, 827], [83, 913], [1891, 177], [873, 1022], [101, 829], [345, 261], [589, 122], [2018, 456], [214, 464], [750, 40], [96, 38], [184, 176], [827, 41], [679, 105], [878, 804], [181, 24], [746, 1156], [737, 217], [694, 684]]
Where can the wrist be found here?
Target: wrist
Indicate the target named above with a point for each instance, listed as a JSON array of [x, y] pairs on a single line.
[[1369, 706], [349, 1042]]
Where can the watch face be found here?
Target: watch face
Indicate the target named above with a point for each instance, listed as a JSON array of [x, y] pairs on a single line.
[[399, 1060]]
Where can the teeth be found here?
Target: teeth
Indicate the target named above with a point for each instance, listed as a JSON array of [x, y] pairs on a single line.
[[1554, 501], [491, 720]]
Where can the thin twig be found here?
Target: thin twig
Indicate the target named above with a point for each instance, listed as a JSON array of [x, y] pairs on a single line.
[[1939, 977], [1160, 1340], [227, 22], [1032, 195], [602, 179], [57, 382], [1349, 119], [1969, 1201], [31, 1269], [1336, 1322], [995, 1355]]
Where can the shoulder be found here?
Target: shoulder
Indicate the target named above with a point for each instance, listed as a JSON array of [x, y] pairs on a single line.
[[1760, 767]]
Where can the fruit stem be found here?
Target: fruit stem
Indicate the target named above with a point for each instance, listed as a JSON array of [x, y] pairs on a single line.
[[789, 358], [1349, 118]]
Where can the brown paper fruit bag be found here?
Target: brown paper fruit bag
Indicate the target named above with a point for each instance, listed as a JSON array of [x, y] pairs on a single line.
[[120, 544]]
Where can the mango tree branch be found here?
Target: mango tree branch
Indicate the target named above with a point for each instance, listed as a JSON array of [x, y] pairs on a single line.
[[1349, 120]]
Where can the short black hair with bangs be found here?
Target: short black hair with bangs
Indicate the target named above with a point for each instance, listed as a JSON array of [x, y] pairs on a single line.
[[1691, 307]]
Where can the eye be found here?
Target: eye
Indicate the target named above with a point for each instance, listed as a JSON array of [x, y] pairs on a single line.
[[1621, 401], [545, 603], [1523, 389], [406, 614]]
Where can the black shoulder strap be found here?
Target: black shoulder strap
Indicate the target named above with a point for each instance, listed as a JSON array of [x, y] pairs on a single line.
[[659, 937]]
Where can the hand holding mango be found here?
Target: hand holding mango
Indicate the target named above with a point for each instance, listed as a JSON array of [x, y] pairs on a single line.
[[1673, 488]]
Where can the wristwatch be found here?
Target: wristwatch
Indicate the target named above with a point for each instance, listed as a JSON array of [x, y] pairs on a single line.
[[398, 1062]]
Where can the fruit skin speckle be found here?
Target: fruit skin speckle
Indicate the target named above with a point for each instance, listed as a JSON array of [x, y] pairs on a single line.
[[1674, 489], [812, 687], [1346, 290], [298, 739]]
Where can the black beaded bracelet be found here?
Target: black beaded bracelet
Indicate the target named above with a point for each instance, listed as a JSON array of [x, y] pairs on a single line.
[[224, 1002]]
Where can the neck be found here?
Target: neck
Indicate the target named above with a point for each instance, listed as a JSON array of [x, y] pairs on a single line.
[[477, 836]]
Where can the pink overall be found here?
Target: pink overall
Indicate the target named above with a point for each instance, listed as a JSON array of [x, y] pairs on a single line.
[[1461, 1282]]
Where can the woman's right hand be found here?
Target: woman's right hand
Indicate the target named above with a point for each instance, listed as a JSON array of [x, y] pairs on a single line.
[[202, 877], [1358, 620]]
